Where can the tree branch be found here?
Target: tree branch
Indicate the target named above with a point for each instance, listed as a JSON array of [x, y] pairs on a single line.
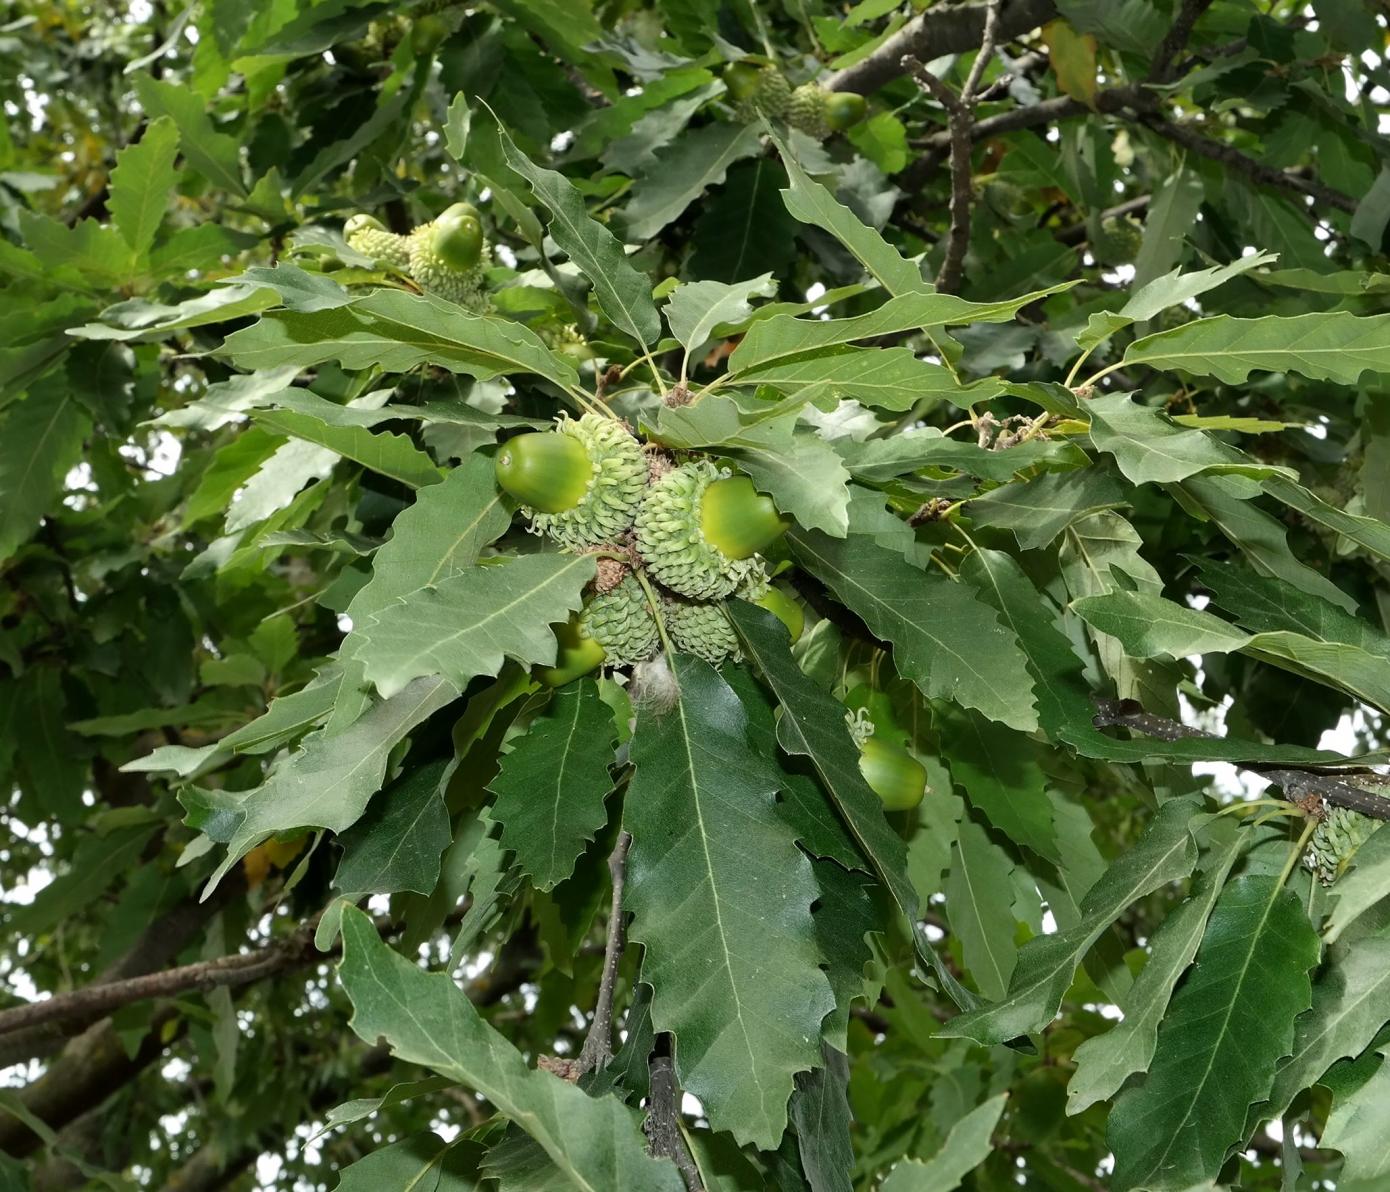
[[663, 1123], [598, 1043], [960, 117], [1161, 69], [935, 33], [1296, 782]]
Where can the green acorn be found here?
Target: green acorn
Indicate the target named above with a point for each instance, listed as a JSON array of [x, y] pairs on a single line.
[[580, 483], [894, 775], [702, 628], [449, 257], [785, 609], [621, 622], [578, 655], [1119, 240], [699, 530], [808, 110], [1335, 841], [757, 89], [366, 234], [844, 109]]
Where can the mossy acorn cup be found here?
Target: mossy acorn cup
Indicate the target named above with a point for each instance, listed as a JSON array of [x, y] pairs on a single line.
[[699, 530], [893, 774], [368, 235], [580, 483]]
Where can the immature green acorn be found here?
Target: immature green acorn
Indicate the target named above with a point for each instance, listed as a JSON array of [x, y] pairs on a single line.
[[702, 628], [580, 483], [449, 257], [844, 109], [621, 621], [1335, 841], [578, 654], [894, 775], [366, 234], [785, 609], [699, 530]]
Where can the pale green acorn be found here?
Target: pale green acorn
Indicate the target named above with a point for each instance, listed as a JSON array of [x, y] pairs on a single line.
[[699, 530], [449, 257], [1335, 841], [366, 234], [621, 622], [581, 483], [702, 628]]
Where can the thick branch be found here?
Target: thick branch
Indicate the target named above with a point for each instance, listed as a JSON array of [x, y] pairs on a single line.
[[935, 33], [598, 1043], [663, 1124], [1161, 69], [1297, 783]]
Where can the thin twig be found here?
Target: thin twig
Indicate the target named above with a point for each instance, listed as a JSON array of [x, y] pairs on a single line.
[[1161, 69], [1297, 782], [663, 1123], [598, 1043]]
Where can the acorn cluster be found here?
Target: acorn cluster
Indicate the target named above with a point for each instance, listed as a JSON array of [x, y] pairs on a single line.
[[1335, 840], [675, 542], [448, 256], [762, 90]]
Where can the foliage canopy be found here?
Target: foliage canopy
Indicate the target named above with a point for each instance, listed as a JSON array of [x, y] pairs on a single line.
[[988, 397]]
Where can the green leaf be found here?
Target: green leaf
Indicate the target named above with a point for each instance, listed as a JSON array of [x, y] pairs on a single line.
[[744, 229], [945, 640], [845, 916], [999, 771], [396, 331], [1329, 346], [326, 783], [388, 454], [428, 1020], [1047, 963], [784, 338], [552, 786], [1362, 886], [215, 155], [1219, 1043], [877, 460], [1149, 448], [810, 202], [41, 437], [821, 1116], [884, 378], [696, 308], [979, 907], [966, 1147], [1262, 539], [397, 844], [683, 170], [1358, 1127], [420, 1163], [139, 318], [465, 625], [1105, 1062], [1371, 533], [1039, 509], [813, 726], [1349, 1007], [141, 183], [721, 900], [276, 481], [624, 295], [98, 862]]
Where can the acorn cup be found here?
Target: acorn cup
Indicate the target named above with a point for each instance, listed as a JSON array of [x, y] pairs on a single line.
[[621, 622], [1335, 841], [366, 234], [757, 89], [702, 628], [449, 257], [578, 655], [699, 530], [580, 484], [893, 774]]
